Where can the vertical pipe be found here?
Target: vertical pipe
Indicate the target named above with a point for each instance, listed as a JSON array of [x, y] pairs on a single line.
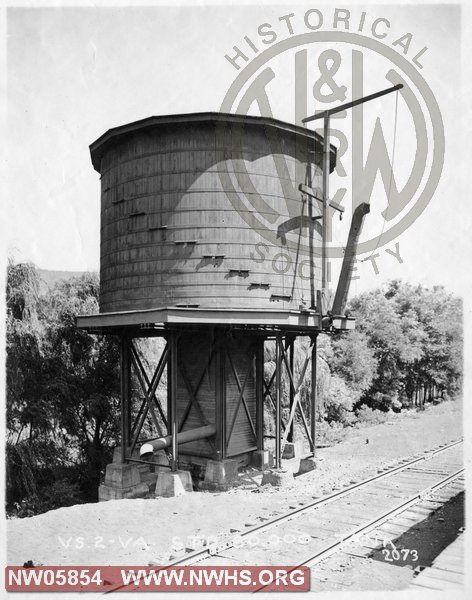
[[325, 201], [313, 394], [125, 393], [129, 393], [169, 385], [260, 393], [278, 400], [311, 233], [220, 398], [173, 400], [291, 394]]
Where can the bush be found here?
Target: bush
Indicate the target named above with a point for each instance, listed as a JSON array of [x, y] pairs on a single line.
[[62, 492], [28, 507], [397, 405], [382, 401], [328, 434], [369, 416], [339, 402]]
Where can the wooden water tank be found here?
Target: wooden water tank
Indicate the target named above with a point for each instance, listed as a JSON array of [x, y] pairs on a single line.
[[201, 210]]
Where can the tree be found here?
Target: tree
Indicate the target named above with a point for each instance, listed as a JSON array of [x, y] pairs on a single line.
[[84, 384], [62, 391], [394, 340], [24, 352], [415, 334], [439, 314], [354, 360]]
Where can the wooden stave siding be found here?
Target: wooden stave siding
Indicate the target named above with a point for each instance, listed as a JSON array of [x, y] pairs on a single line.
[[243, 353], [142, 269], [194, 351]]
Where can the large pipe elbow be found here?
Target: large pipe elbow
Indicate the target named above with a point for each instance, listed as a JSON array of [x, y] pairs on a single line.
[[191, 435]]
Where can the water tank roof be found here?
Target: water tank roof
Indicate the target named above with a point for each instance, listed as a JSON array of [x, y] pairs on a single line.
[[115, 134]]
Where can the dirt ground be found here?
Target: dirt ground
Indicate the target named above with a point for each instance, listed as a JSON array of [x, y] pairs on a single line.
[[135, 532]]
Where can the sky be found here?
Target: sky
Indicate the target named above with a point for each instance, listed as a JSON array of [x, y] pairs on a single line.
[[74, 72]]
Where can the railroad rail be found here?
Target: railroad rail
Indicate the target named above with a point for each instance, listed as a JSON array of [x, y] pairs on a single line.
[[331, 522], [375, 523], [406, 464]]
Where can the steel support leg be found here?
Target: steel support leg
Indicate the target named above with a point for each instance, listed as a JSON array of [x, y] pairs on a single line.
[[260, 394], [172, 418], [291, 388], [220, 398], [278, 400], [125, 394], [313, 395]]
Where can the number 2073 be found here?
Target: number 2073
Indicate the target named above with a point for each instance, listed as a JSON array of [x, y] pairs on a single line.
[[394, 554]]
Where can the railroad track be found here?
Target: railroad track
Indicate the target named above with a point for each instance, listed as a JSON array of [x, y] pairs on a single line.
[[335, 522], [391, 491], [311, 533]]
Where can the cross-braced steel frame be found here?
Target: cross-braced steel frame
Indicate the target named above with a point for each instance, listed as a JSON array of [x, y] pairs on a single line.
[[284, 361], [168, 421]]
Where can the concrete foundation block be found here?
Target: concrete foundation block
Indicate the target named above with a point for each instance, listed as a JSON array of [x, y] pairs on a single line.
[[307, 465], [292, 450], [261, 459], [122, 476], [160, 459], [107, 492], [149, 479], [221, 472], [138, 491], [277, 478], [123, 481], [173, 483], [117, 454]]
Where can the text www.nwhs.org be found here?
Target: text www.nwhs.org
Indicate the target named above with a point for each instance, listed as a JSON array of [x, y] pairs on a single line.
[[162, 579]]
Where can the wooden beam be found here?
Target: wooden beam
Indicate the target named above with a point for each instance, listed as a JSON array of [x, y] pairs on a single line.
[[241, 394]]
